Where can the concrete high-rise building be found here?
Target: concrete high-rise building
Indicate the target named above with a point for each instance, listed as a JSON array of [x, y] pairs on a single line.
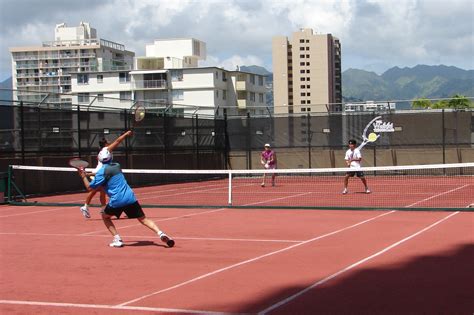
[[306, 73], [40, 70], [169, 76]]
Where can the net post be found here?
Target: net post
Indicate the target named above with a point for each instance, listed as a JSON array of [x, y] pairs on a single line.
[[230, 189], [9, 184]]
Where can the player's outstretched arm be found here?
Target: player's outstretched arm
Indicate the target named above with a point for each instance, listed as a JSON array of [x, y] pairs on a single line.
[[118, 141]]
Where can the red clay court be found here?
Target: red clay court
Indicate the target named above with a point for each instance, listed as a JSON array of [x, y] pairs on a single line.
[[229, 260]]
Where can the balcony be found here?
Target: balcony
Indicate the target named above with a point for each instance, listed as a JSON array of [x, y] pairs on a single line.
[[150, 84], [242, 104], [241, 85]]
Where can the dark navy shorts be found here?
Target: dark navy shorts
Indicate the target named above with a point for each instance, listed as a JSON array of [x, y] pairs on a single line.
[[358, 174], [132, 211]]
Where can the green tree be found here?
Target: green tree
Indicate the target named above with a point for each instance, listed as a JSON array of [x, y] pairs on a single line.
[[440, 104], [459, 101], [421, 103]]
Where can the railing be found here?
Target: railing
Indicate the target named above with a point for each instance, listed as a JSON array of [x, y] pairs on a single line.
[[150, 84]]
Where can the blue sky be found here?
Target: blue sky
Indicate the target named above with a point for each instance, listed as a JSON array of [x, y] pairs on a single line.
[[375, 35]]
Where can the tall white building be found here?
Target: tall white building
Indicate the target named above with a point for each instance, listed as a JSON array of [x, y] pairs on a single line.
[[40, 70], [169, 76]]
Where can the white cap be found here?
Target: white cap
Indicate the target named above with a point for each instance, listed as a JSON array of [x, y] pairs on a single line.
[[105, 155], [267, 145]]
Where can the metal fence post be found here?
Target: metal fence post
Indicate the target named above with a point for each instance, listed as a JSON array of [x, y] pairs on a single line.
[[79, 146], [197, 141], [309, 136], [126, 139], [249, 144], [443, 136], [22, 132]]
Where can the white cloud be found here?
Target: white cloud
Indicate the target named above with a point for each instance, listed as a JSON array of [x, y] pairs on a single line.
[[404, 32], [232, 62]]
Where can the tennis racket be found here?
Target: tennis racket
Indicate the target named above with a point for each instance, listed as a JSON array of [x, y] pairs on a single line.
[[138, 115], [79, 164]]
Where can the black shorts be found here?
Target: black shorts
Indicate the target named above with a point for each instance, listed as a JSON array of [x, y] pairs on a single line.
[[359, 174], [132, 211]]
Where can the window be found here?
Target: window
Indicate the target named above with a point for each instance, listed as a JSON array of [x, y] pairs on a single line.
[[100, 78], [307, 79], [303, 86], [260, 97], [124, 77], [217, 93], [307, 56], [252, 96], [302, 79], [307, 40], [125, 96], [82, 79], [301, 40], [176, 75], [302, 63], [307, 63], [217, 75], [260, 80], [301, 56], [252, 79], [178, 95], [308, 86], [224, 76], [224, 94], [308, 94], [303, 94], [301, 48], [307, 48], [302, 71], [303, 102], [83, 98], [308, 109], [100, 97], [303, 109], [101, 116], [307, 71]]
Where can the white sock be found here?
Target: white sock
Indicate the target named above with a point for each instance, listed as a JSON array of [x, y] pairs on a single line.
[[117, 237], [86, 205], [160, 233]]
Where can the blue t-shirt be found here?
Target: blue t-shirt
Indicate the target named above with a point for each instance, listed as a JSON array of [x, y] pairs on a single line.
[[110, 176]]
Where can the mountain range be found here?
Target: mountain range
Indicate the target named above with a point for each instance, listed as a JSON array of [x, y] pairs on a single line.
[[399, 83]]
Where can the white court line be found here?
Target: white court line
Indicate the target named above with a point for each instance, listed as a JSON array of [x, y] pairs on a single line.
[[161, 220], [112, 307], [157, 237], [33, 212], [252, 260], [437, 195], [275, 199], [322, 281]]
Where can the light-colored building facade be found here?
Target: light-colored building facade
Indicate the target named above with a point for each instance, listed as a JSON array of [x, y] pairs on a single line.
[[369, 106], [40, 70], [306, 73], [169, 77]]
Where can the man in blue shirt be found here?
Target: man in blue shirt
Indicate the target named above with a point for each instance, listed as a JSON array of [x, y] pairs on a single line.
[[121, 198]]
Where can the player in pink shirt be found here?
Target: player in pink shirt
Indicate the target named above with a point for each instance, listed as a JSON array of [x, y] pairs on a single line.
[[269, 161]]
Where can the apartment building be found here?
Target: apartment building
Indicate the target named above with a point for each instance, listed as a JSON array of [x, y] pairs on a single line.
[[169, 76], [306, 73], [40, 70]]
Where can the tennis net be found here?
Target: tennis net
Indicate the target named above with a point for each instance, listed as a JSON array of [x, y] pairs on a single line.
[[437, 186]]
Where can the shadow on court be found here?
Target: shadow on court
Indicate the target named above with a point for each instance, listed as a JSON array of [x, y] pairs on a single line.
[[142, 243], [436, 284]]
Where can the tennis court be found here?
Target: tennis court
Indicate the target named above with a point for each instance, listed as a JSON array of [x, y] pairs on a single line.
[[252, 260]]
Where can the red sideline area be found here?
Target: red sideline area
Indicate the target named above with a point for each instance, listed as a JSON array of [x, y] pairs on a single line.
[[237, 261]]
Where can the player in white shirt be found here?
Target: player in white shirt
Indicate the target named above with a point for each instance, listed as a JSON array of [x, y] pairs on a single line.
[[353, 160]]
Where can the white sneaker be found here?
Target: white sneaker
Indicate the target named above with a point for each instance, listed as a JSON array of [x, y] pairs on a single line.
[[166, 239], [345, 191], [85, 212], [117, 242], [367, 191], [262, 184]]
